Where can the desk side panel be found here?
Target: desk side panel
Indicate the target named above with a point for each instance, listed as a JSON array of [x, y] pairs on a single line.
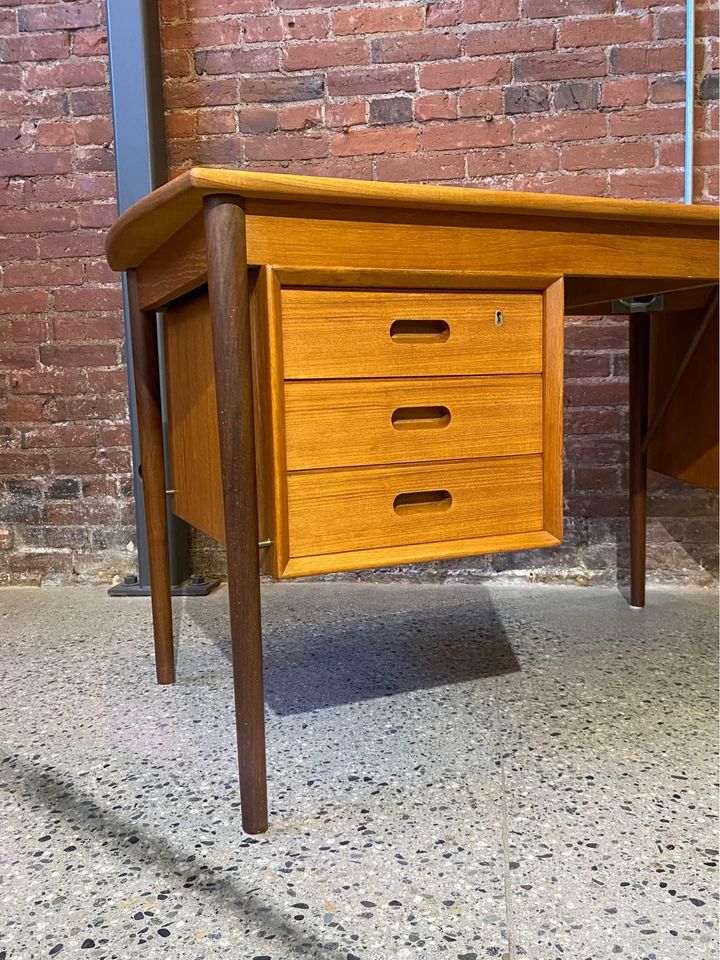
[[685, 445]]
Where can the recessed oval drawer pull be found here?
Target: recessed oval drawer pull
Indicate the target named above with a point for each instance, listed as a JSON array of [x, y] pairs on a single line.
[[419, 330], [420, 418], [422, 501]]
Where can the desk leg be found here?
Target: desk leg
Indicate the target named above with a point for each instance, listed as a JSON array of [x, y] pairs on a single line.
[[143, 332], [229, 310], [639, 365]]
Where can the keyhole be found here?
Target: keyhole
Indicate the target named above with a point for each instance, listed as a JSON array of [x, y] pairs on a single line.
[[498, 318]]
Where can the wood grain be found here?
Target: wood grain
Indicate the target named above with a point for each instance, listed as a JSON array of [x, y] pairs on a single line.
[[347, 333], [143, 335], [192, 417], [232, 351], [685, 444], [416, 553], [339, 423], [313, 236], [269, 419], [334, 510], [553, 359], [150, 221]]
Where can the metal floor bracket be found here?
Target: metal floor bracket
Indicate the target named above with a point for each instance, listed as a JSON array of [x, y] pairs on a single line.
[[196, 586]]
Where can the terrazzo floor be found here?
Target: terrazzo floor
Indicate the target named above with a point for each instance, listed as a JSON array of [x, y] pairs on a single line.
[[456, 772]]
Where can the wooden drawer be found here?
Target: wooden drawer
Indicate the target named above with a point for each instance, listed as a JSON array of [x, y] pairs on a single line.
[[342, 423], [370, 333], [330, 511]]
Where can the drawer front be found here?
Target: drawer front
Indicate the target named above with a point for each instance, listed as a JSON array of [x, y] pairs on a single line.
[[342, 423], [367, 333], [336, 510]]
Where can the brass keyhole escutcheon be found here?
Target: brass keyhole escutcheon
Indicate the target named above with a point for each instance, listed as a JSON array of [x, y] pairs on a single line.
[[498, 318]]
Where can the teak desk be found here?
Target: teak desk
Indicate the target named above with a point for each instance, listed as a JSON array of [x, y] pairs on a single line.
[[362, 374]]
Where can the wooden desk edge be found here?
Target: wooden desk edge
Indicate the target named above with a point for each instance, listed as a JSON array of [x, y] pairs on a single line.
[[152, 220]]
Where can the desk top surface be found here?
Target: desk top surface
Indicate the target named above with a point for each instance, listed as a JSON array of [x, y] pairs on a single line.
[[155, 218]]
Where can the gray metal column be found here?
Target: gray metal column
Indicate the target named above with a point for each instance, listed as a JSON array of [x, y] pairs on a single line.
[[140, 166]]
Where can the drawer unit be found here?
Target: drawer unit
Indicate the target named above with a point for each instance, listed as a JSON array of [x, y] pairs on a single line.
[[372, 333], [391, 426], [331, 511], [343, 423]]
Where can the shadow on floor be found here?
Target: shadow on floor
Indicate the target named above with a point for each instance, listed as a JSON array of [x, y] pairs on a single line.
[[27, 781], [344, 657]]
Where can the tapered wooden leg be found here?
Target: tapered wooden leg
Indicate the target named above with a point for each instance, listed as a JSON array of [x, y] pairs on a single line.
[[143, 332], [229, 310], [639, 366]]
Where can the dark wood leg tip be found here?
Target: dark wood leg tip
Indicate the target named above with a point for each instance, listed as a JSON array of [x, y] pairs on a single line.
[[254, 825]]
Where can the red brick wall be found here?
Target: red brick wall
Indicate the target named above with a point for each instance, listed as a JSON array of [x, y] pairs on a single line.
[[573, 96], [65, 507]]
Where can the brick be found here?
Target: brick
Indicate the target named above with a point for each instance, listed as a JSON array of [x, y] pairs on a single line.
[[202, 33], [86, 299], [308, 26], [84, 103], [605, 31], [566, 8], [232, 62], [667, 90], [352, 83], [17, 356], [58, 134], [196, 9], [90, 43], [63, 488], [78, 243], [34, 162], [262, 29], [78, 327], [354, 142], [511, 39], [631, 92], [421, 169], [415, 48], [257, 120], [59, 273], [608, 156], [648, 185], [359, 20], [70, 73], [638, 123], [647, 59], [464, 73], [576, 95], [490, 11], [280, 89], [78, 354], [480, 103], [559, 128], [464, 134], [37, 221], [709, 87], [300, 117], [436, 106], [560, 66], [59, 16], [326, 53], [512, 160], [532, 98], [391, 110], [347, 114], [59, 435], [188, 95], [286, 147], [34, 48], [212, 120], [443, 13]]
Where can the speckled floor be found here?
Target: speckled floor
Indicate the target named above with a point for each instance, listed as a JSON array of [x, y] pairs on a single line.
[[456, 772]]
